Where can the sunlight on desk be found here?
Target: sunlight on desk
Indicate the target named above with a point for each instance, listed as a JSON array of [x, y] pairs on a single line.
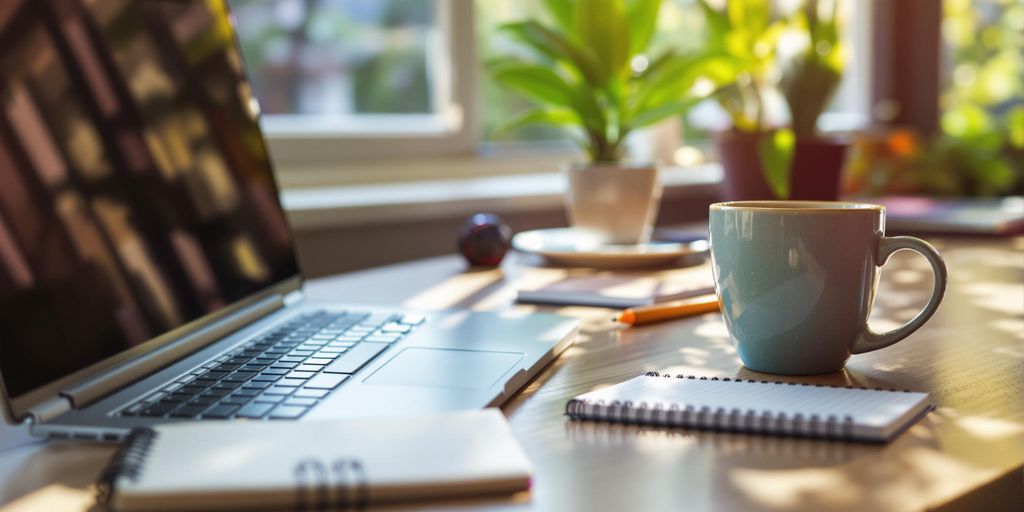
[[53, 497], [454, 290]]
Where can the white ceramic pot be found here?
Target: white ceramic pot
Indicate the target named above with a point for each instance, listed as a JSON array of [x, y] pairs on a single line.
[[613, 204]]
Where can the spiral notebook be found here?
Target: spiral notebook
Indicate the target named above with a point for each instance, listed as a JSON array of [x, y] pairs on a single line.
[[314, 465], [764, 407]]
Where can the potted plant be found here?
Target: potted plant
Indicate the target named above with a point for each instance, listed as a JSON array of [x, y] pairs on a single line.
[[762, 160], [592, 70]]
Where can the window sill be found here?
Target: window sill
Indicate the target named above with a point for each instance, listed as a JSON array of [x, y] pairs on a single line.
[[311, 207]]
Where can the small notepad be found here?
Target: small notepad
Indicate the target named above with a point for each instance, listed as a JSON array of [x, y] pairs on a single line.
[[844, 413]]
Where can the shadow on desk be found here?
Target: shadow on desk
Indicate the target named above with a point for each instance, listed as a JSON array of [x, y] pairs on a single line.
[[752, 448]]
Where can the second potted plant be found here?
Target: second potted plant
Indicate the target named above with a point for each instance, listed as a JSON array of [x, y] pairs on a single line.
[[763, 161], [592, 71]]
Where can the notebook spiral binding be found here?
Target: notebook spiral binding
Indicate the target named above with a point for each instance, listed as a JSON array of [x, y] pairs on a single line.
[[731, 420], [315, 481], [127, 462], [755, 381]]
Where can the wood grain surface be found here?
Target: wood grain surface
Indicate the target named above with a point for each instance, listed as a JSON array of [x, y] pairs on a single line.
[[968, 454]]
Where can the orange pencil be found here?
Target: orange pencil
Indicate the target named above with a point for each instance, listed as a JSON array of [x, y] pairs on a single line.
[[662, 312]]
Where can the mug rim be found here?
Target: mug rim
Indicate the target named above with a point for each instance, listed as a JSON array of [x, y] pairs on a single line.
[[798, 206]]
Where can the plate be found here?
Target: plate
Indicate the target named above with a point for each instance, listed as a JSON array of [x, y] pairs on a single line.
[[565, 246]]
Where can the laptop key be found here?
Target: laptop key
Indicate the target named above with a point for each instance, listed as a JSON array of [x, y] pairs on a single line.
[[204, 400], [300, 375], [383, 339], [288, 412], [159, 409], [189, 411], [270, 399], [275, 371], [355, 358], [279, 390], [401, 328], [305, 402], [325, 381], [266, 378], [212, 375], [311, 393], [220, 412], [133, 409], [254, 410], [235, 400], [239, 376]]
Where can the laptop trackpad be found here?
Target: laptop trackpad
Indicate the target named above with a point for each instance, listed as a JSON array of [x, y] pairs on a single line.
[[445, 368]]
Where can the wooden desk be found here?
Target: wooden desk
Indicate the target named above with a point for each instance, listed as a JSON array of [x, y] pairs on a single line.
[[966, 455]]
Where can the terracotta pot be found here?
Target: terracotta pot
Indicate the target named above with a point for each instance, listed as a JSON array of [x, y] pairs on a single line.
[[613, 204], [816, 172]]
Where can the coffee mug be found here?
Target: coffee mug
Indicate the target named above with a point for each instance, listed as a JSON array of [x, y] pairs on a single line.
[[796, 281]]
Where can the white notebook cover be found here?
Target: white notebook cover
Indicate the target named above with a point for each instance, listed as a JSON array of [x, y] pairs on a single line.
[[754, 406], [238, 465]]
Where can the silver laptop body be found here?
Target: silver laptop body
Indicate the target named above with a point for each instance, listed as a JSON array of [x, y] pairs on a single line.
[[152, 259]]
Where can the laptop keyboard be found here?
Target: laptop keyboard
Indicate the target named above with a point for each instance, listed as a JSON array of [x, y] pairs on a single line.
[[281, 374]]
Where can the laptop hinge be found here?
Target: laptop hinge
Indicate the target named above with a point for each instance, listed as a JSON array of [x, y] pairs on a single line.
[[87, 392], [293, 297], [49, 409]]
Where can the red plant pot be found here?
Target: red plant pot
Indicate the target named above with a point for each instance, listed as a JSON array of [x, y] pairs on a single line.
[[815, 173]]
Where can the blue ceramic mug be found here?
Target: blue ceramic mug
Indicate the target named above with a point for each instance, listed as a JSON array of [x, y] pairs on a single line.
[[796, 280]]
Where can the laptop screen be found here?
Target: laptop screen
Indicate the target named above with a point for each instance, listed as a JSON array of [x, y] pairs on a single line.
[[136, 194]]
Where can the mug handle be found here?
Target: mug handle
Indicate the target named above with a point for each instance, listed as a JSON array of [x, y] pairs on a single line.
[[870, 340]]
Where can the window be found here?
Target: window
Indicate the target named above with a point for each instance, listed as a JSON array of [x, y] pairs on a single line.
[[343, 80], [360, 78]]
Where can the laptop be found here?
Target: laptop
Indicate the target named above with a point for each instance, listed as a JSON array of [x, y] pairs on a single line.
[[147, 272]]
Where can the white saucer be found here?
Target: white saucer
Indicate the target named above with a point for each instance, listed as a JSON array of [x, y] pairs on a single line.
[[564, 246]]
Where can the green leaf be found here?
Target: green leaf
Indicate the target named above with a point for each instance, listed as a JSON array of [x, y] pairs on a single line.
[[600, 28], [673, 78], [557, 47], [554, 117], [661, 112], [642, 16], [776, 152], [1015, 121], [717, 26], [533, 80], [562, 13]]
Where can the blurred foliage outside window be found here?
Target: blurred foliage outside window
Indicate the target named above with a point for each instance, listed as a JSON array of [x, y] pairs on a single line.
[[339, 57], [980, 147]]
